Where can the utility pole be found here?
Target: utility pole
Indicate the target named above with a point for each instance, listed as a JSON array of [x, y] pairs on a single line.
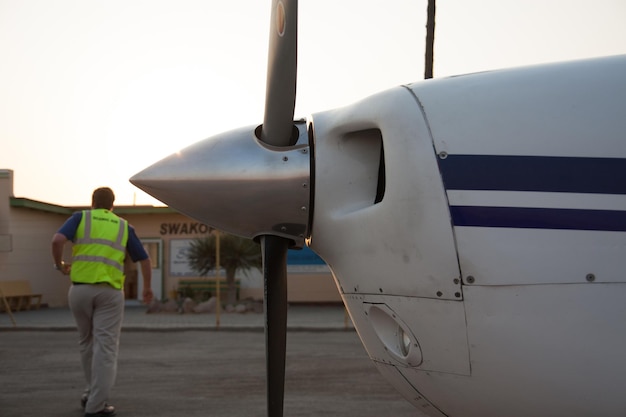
[[217, 279], [430, 40]]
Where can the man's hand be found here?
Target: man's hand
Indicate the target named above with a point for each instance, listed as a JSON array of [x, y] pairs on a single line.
[[65, 269], [147, 296]]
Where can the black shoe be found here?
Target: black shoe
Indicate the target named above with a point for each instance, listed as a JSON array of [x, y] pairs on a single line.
[[107, 411], [83, 400]]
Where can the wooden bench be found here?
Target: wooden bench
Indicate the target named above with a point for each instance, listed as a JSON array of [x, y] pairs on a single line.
[[17, 295], [208, 285]]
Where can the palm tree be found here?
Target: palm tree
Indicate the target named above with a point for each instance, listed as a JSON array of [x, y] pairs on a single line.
[[236, 253]]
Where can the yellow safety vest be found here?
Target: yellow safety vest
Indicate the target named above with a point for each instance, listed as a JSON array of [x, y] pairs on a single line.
[[99, 249]]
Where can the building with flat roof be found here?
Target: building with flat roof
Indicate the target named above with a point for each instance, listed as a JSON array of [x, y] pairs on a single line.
[[27, 227]]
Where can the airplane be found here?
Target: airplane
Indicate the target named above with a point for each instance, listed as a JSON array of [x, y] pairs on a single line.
[[474, 225]]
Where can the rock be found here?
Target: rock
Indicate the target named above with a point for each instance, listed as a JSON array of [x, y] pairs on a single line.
[[154, 307], [170, 306], [256, 307], [188, 306], [206, 307]]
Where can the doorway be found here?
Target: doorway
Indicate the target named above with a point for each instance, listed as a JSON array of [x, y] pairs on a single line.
[[154, 247]]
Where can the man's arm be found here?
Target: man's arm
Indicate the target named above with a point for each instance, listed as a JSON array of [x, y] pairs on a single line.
[[58, 242], [146, 272], [137, 253]]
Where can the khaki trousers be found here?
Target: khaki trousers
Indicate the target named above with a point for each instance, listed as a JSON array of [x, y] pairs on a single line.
[[98, 311]]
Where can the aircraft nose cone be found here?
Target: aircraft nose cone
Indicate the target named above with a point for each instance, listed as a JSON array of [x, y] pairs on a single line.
[[237, 184]]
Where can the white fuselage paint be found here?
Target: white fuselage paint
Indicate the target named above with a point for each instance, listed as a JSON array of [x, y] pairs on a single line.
[[508, 294]]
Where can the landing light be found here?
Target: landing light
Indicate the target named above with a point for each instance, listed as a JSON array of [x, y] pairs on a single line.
[[405, 342], [399, 342]]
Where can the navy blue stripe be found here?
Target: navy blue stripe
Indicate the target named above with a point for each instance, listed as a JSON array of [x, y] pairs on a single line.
[[534, 173], [539, 218]]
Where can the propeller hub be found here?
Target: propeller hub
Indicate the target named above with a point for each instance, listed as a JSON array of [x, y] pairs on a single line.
[[239, 184]]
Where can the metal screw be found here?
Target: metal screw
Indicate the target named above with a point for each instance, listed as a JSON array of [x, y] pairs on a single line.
[[456, 281], [443, 154], [439, 293], [457, 294], [285, 158], [590, 277], [470, 279]]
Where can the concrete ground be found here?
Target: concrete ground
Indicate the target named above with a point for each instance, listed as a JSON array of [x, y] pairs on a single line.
[[299, 317], [183, 369]]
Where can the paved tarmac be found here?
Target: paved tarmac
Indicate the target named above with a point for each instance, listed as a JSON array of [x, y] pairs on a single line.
[[299, 317], [189, 365]]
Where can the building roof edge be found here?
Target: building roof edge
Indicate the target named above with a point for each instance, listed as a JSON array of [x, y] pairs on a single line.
[[54, 208]]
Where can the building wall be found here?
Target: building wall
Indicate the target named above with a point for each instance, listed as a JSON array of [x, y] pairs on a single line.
[[6, 189], [302, 287], [165, 228], [25, 253], [31, 256]]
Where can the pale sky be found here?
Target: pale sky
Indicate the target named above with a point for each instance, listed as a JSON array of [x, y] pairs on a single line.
[[92, 92]]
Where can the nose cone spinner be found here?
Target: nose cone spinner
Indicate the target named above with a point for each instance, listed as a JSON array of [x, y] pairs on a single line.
[[238, 184]]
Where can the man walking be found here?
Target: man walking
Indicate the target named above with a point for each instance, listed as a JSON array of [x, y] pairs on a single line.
[[101, 240]]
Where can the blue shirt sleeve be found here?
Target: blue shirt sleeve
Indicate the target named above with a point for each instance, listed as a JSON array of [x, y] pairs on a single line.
[[71, 225], [135, 247]]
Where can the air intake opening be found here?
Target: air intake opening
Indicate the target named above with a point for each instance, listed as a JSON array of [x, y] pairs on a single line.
[[358, 169], [380, 189]]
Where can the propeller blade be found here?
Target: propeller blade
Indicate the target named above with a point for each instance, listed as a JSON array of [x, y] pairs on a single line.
[[260, 191], [275, 286], [278, 130], [280, 96]]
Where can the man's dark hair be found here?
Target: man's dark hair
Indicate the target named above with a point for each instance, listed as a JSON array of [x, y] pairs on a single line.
[[102, 198]]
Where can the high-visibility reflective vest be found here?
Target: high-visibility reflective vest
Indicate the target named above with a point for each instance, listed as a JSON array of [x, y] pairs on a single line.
[[99, 249]]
